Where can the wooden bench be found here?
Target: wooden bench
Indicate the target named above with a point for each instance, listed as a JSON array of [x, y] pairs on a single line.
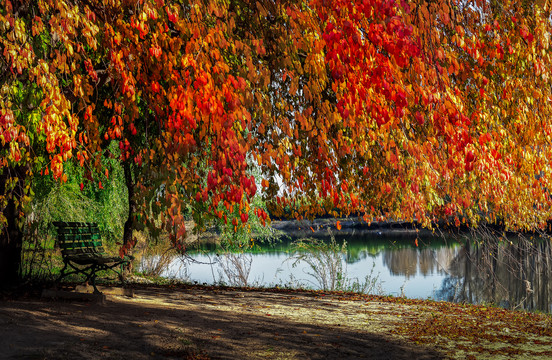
[[82, 251]]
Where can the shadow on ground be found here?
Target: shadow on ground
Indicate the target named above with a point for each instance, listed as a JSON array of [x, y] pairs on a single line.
[[192, 323]]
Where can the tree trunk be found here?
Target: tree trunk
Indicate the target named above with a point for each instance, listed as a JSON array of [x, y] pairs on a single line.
[[127, 235], [11, 235], [11, 242], [128, 242]]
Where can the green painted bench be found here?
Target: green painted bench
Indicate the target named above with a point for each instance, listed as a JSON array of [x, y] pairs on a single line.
[[83, 252]]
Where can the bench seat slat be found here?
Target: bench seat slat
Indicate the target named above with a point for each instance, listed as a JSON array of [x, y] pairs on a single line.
[[87, 259], [73, 224], [79, 233], [81, 239], [80, 244], [83, 251]]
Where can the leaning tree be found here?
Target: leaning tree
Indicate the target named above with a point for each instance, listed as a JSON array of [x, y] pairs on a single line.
[[413, 110]]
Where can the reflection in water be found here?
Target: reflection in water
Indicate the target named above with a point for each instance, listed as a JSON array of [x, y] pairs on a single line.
[[412, 261], [512, 274]]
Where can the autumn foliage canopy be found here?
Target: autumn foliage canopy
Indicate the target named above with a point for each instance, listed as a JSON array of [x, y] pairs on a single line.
[[413, 110]]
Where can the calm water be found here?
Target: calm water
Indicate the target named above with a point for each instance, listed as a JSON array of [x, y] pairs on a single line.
[[514, 273]]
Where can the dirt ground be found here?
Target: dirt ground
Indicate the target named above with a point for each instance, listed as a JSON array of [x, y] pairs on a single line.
[[215, 323]]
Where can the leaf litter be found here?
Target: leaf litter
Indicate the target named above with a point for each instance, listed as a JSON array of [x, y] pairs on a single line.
[[176, 322]]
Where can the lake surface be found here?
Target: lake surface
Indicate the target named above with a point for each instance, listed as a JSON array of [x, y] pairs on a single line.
[[513, 273]]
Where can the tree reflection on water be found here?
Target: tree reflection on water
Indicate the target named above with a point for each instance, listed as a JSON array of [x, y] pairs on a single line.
[[411, 262], [512, 272], [482, 266]]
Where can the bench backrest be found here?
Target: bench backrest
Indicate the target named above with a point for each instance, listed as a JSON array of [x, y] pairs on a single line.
[[79, 238]]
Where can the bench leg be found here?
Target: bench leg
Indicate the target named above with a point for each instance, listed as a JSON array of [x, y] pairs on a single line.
[[121, 274], [93, 280]]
